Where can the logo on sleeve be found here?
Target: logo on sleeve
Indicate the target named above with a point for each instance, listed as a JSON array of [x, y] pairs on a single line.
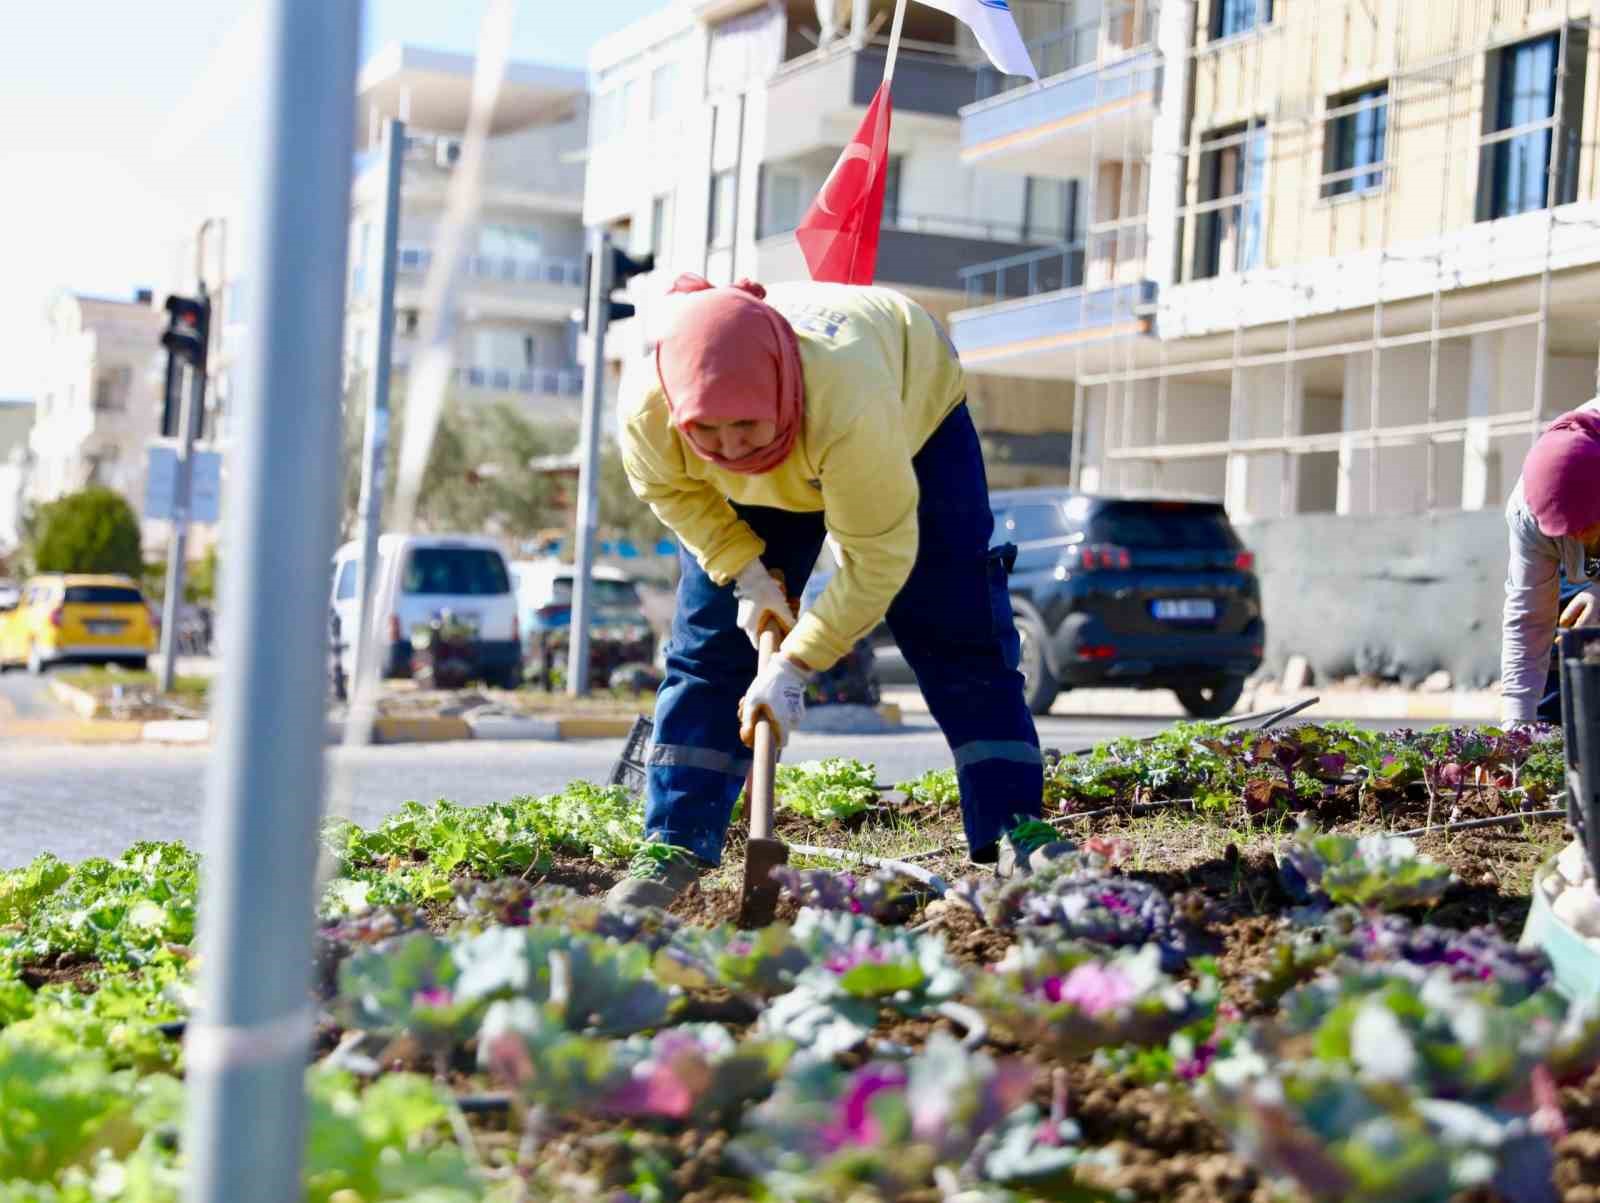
[[817, 319]]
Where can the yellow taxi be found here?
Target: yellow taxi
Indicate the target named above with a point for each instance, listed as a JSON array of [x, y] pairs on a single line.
[[68, 617]]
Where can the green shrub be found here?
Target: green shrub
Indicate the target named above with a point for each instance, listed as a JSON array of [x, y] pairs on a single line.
[[92, 531]]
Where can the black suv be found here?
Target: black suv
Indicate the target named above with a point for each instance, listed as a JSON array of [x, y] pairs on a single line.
[[1136, 593]]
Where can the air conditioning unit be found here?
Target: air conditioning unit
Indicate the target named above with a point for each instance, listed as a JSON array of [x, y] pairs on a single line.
[[447, 152]]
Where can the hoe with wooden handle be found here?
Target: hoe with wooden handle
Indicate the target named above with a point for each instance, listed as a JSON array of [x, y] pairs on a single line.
[[763, 854]]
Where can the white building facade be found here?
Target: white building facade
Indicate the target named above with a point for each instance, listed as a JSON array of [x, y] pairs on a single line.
[[522, 277], [100, 402]]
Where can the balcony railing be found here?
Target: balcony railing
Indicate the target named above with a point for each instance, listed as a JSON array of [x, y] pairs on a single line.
[[547, 382], [504, 269], [1073, 46], [929, 223], [1047, 269]]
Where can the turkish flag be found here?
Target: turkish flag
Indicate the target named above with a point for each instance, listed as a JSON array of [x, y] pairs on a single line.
[[839, 233]]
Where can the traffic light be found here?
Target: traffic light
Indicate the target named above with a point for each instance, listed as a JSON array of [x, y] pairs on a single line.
[[624, 267], [186, 338], [188, 329]]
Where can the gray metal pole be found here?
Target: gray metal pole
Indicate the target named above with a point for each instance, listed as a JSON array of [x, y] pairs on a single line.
[[178, 544], [375, 448], [589, 459], [248, 1044]]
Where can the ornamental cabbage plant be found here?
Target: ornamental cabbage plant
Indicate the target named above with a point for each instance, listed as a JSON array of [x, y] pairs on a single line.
[[1074, 999]]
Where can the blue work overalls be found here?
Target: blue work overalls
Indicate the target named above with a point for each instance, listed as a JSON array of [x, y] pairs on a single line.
[[952, 620]]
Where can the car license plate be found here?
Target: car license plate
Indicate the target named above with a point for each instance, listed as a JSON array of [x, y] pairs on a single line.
[[104, 628], [1184, 609]]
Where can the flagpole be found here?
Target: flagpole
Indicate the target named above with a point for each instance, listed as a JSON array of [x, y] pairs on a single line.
[[894, 41]]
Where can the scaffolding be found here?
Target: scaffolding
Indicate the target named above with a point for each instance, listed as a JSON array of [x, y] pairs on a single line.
[[1288, 275]]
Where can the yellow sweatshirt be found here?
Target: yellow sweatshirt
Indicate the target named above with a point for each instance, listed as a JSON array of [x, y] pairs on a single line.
[[880, 376]]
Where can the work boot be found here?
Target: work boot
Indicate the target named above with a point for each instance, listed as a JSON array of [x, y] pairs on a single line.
[[1029, 846], [657, 874]]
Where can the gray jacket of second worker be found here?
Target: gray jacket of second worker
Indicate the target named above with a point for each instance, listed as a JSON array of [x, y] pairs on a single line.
[[1533, 593]]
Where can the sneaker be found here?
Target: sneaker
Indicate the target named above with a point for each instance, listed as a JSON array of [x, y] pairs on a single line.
[[1029, 846], [657, 874]]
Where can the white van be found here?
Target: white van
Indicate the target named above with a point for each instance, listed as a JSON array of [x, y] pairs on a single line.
[[418, 577]]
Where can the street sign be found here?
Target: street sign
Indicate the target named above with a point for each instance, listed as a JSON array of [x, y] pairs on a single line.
[[161, 484]]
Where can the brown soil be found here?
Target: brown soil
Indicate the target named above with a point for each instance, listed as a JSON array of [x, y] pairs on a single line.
[[63, 969]]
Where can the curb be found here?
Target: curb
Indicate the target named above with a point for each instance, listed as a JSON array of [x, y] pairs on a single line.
[[80, 701], [1474, 706], [405, 730]]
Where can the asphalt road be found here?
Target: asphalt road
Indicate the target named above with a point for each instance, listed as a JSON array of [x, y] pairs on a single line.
[[79, 801]]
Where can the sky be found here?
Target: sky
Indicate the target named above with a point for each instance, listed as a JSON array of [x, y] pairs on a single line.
[[124, 123]]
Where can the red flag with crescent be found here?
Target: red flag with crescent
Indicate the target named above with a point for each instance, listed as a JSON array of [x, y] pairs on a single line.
[[839, 233]]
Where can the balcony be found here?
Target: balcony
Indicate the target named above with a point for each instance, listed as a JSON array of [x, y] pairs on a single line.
[[1030, 315], [530, 289], [528, 382], [818, 99], [916, 252], [1065, 124]]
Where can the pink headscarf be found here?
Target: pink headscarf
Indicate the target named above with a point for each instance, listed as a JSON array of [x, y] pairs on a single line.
[[1561, 476], [731, 357]]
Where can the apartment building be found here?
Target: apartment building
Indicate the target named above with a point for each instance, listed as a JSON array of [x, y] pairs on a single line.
[[1337, 257], [523, 273], [100, 402], [715, 122]]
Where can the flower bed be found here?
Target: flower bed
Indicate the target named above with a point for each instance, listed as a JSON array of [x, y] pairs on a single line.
[[1324, 1010]]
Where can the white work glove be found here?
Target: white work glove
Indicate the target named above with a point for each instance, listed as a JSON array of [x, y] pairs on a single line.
[[1582, 611], [761, 601], [778, 693]]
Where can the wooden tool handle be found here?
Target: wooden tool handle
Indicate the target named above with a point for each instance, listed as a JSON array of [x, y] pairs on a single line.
[[765, 748]]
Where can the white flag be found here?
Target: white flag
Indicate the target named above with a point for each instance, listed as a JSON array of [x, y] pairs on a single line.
[[995, 28]]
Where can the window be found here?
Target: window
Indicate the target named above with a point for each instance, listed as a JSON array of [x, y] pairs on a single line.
[[1030, 523], [603, 120], [1050, 210], [663, 90], [111, 388], [458, 571], [891, 190], [780, 201], [1174, 524], [1233, 177], [724, 197], [509, 242], [1354, 138], [660, 228], [345, 589], [1230, 17], [1521, 113]]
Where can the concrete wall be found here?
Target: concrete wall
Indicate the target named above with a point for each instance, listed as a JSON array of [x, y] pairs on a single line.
[[1395, 596]]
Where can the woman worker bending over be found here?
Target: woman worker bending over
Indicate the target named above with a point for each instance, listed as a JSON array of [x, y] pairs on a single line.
[[771, 421]]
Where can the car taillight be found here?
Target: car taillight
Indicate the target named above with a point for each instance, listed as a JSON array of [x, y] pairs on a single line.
[[394, 628], [155, 618], [1245, 561], [1102, 555], [56, 616], [1096, 651], [516, 629]]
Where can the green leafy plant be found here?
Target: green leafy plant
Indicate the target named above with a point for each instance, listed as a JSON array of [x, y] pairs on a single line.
[[1381, 871], [827, 791]]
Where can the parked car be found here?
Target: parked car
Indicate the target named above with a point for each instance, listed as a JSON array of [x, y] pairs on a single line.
[[1148, 593], [85, 619], [619, 632], [1142, 593], [421, 577]]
